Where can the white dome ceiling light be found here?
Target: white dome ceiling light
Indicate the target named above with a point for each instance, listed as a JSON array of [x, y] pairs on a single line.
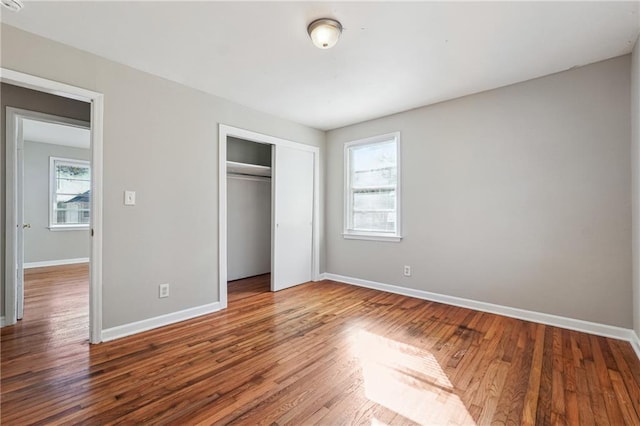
[[324, 32], [13, 5]]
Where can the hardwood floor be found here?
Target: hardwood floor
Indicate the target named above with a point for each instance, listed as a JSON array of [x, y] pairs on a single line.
[[318, 353], [248, 287]]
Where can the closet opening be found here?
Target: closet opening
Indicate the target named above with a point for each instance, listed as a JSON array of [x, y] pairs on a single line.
[[249, 222]]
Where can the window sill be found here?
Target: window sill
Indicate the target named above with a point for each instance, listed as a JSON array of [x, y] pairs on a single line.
[[69, 228], [372, 237]]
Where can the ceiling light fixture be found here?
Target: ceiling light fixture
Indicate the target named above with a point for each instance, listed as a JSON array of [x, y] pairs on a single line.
[[13, 5], [324, 32]]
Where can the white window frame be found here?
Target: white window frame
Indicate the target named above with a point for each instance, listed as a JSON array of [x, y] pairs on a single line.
[[52, 193], [349, 232]]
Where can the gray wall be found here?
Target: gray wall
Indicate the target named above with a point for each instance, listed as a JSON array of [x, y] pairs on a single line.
[[242, 151], [18, 97], [161, 140], [41, 244], [518, 196], [635, 161], [248, 227]]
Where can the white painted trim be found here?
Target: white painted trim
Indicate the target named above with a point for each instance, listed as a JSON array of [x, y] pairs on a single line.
[[348, 231], [635, 343], [222, 216], [539, 317], [59, 262], [239, 133], [97, 107], [65, 228], [40, 84], [2, 321], [373, 237], [11, 178], [321, 277], [95, 268], [274, 210], [223, 132], [315, 260], [159, 321]]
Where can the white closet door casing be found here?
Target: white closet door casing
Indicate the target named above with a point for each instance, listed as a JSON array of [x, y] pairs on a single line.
[[293, 217]]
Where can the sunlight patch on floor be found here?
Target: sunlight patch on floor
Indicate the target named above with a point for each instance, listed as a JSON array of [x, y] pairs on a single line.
[[376, 422], [402, 377]]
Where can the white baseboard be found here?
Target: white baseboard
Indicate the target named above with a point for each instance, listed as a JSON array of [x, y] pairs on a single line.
[[635, 343], [159, 321], [2, 321], [321, 277], [539, 317], [29, 265]]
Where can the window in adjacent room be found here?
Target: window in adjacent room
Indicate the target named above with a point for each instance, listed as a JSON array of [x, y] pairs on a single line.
[[372, 188], [70, 183]]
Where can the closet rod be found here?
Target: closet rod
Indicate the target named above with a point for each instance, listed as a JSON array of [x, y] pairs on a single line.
[[248, 169], [248, 177]]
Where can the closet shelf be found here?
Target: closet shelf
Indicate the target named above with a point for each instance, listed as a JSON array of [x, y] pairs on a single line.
[[248, 169]]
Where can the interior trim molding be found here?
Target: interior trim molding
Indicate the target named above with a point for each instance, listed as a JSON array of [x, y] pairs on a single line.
[[2, 321], [223, 132], [96, 100], [523, 314], [635, 343], [159, 321], [59, 262]]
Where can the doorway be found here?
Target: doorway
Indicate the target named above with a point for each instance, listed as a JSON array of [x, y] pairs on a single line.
[[10, 221], [249, 207], [294, 224], [53, 191]]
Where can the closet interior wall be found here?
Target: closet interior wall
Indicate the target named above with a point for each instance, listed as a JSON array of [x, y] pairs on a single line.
[[248, 208]]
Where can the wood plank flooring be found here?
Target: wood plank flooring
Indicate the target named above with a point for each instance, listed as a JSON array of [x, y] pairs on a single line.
[[248, 287], [324, 353]]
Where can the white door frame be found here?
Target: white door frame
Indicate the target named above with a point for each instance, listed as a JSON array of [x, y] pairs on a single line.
[[225, 131], [95, 269]]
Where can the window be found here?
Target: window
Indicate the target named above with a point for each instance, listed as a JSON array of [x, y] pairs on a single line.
[[70, 183], [372, 188]]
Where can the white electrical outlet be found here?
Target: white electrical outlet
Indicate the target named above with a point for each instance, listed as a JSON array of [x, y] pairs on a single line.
[[407, 271], [163, 290]]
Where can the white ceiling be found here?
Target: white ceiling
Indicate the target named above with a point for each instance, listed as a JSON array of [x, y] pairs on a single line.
[[391, 57], [57, 134]]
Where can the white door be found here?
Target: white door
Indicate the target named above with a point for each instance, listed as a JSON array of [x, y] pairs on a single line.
[[292, 217], [21, 226]]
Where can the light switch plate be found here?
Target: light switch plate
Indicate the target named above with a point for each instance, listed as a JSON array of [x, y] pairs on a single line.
[[129, 198]]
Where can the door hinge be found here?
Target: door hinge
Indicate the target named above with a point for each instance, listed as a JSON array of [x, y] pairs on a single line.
[[92, 232]]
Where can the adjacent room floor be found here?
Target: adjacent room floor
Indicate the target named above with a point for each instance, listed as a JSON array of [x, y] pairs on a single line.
[[318, 353]]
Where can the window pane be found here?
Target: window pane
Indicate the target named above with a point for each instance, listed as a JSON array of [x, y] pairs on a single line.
[[374, 200], [73, 171], [374, 221], [71, 216], [374, 165], [61, 200], [72, 186]]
